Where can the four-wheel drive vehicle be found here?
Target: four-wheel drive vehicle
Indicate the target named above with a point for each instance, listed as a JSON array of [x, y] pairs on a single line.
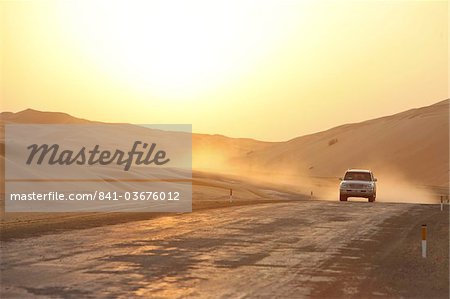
[[358, 183]]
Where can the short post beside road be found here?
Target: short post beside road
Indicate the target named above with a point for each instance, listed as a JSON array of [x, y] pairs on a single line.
[[231, 195], [444, 199], [312, 195], [424, 240]]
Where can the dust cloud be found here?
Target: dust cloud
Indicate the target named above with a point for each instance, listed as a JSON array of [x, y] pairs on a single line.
[[397, 189], [392, 187]]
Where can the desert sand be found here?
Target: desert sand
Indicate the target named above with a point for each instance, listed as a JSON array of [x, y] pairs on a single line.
[[412, 146]]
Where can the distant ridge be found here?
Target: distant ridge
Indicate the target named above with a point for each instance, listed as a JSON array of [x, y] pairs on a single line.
[[30, 116]]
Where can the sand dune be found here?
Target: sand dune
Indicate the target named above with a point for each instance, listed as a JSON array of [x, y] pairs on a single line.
[[412, 145]]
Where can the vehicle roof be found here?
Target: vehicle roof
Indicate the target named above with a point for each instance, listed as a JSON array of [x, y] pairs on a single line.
[[359, 170]]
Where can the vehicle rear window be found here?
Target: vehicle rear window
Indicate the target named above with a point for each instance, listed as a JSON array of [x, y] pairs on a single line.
[[357, 176]]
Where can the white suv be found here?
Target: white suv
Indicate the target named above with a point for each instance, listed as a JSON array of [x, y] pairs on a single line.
[[358, 183]]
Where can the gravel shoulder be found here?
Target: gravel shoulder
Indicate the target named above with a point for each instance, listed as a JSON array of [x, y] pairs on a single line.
[[390, 264]]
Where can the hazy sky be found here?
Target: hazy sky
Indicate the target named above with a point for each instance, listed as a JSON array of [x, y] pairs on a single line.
[[267, 70]]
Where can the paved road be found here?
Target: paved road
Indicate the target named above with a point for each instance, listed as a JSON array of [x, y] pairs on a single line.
[[298, 249]]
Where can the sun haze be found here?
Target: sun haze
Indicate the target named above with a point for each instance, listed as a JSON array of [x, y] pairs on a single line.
[[269, 70]]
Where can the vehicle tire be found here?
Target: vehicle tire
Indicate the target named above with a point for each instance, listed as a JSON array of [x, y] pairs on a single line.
[[372, 198], [342, 197]]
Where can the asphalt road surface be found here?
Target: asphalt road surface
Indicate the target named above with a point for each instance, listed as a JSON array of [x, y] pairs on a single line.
[[311, 249]]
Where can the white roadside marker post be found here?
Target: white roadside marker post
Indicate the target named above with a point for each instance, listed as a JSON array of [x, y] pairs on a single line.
[[424, 240], [231, 195], [442, 203]]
